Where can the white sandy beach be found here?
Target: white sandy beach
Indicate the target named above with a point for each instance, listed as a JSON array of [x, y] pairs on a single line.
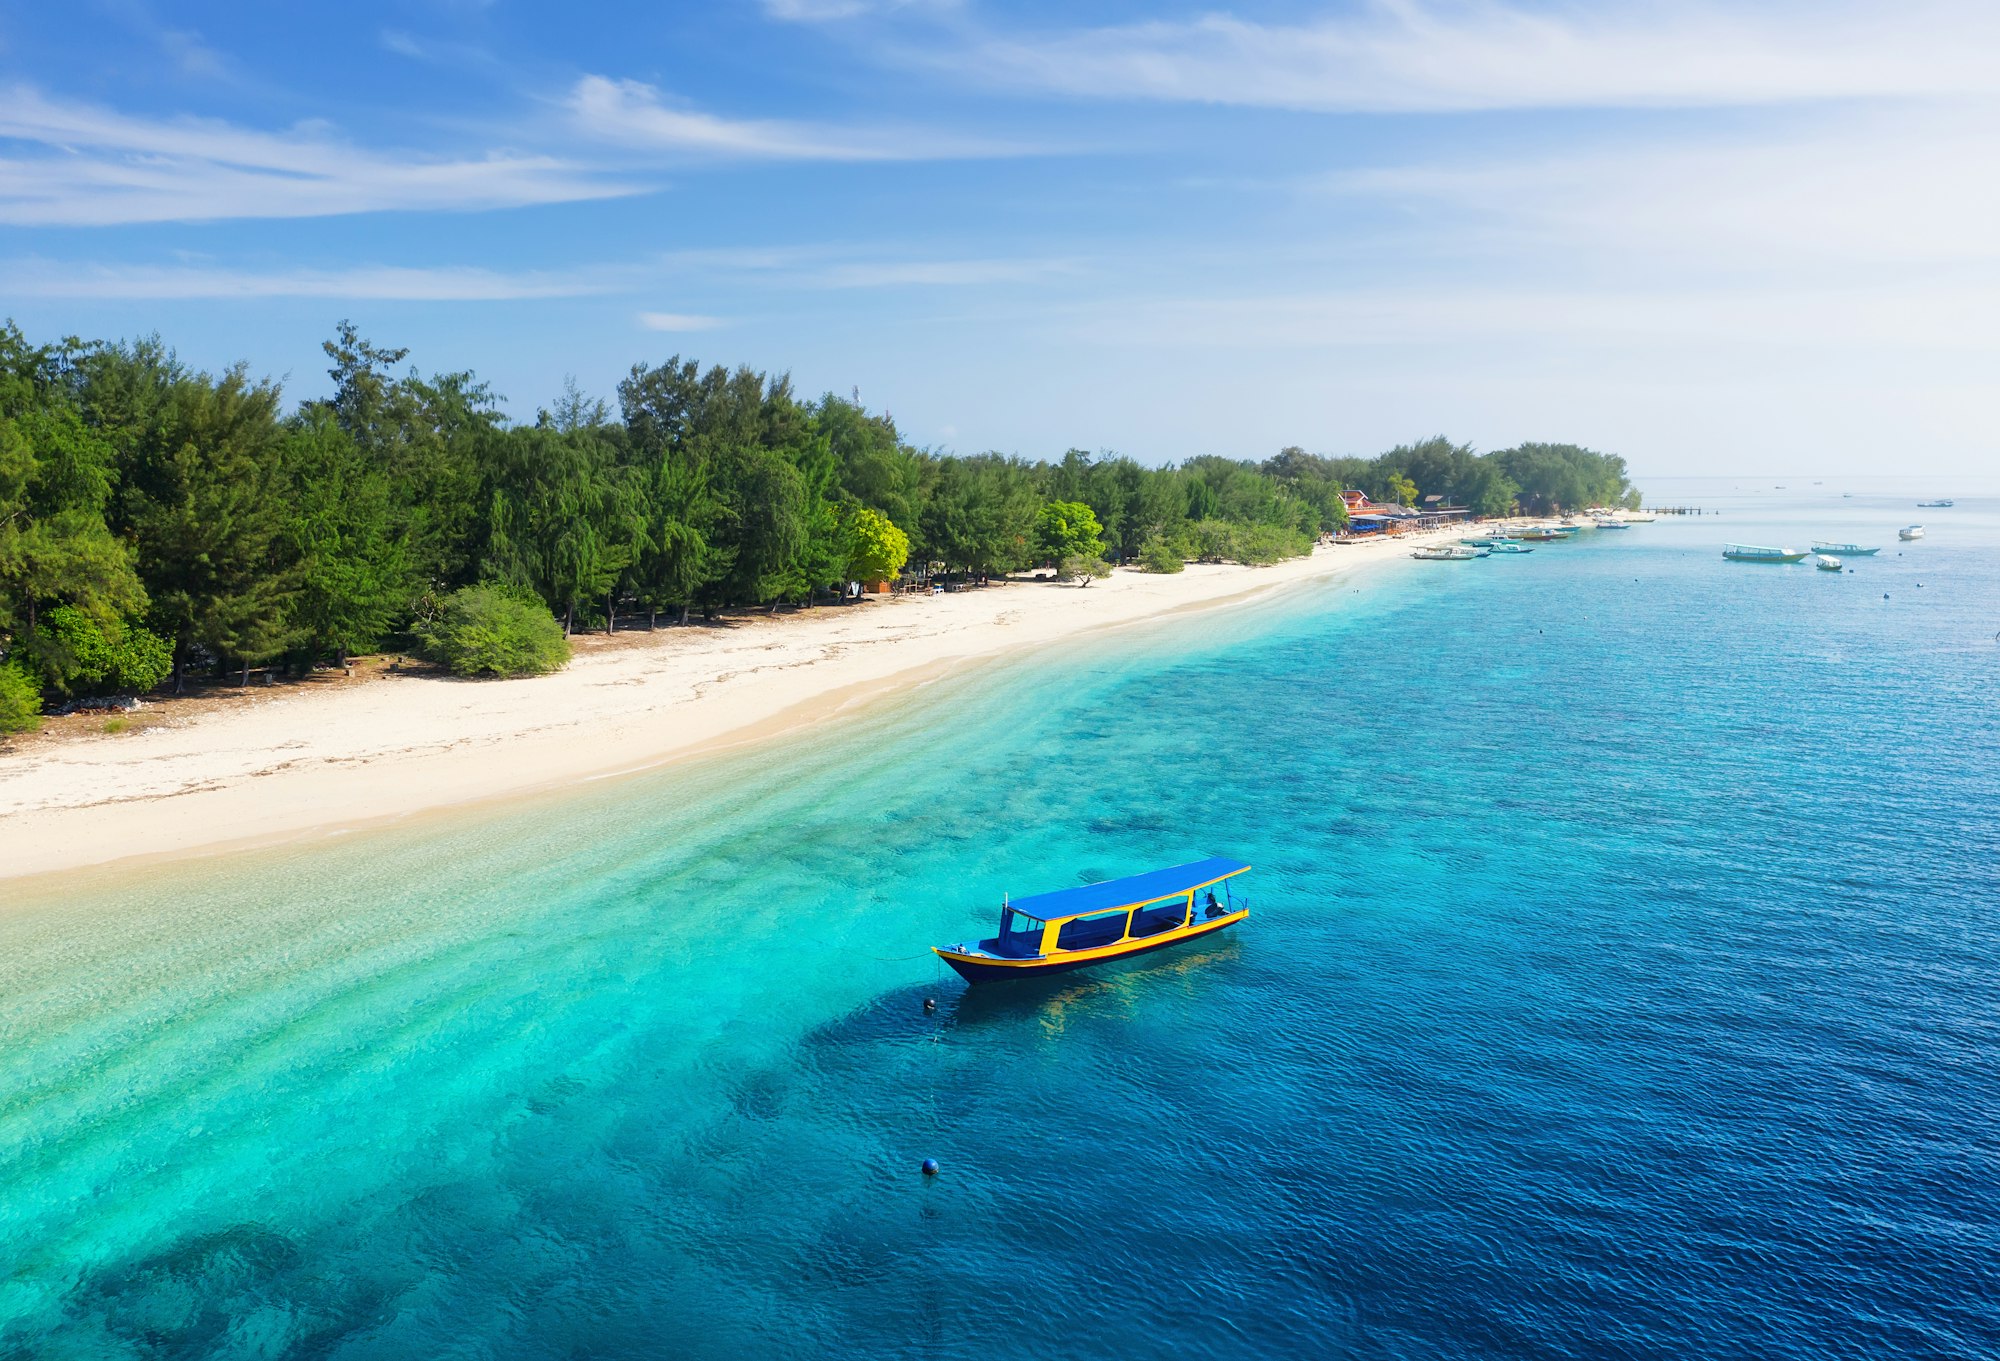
[[297, 763]]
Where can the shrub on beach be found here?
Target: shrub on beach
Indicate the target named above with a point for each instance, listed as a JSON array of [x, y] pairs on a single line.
[[1252, 545], [82, 655], [489, 631], [20, 700], [1157, 554], [1085, 566]]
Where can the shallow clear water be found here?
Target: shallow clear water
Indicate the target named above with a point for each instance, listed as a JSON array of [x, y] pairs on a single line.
[[1621, 980]]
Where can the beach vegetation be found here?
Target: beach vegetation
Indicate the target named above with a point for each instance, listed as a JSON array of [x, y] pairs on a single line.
[[176, 512], [876, 548], [1083, 567], [491, 630], [20, 698], [1068, 531], [77, 653], [1161, 554]]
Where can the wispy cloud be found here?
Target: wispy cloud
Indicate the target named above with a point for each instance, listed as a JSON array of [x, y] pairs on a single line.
[[1417, 56], [938, 273], [847, 265], [633, 114], [37, 278], [677, 321], [89, 166], [1884, 188], [826, 11], [1427, 317], [790, 269]]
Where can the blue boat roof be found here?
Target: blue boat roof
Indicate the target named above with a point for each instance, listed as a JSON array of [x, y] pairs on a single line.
[[1133, 888]]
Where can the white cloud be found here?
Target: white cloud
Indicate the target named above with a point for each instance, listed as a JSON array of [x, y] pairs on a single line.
[[825, 11], [35, 278], [1415, 56], [1879, 317], [677, 321], [939, 273], [1889, 188], [631, 113], [88, 166]]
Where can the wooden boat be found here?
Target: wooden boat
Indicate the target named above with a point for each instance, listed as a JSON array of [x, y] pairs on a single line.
[[1540, 535], [1826, 563], [1074, 928], [1449, 552], [1934, 505], [1845, 550], [1750, 552], [1912, 532], [1510, 546]]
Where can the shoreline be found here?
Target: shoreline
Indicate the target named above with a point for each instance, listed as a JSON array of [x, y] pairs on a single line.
[[296, 765]]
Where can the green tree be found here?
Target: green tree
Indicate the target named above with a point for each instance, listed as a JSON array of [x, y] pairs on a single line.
[[56, 479], [876, 549], [1068, 530], [566, 521], [1161, 554], [432, 439], [354, 576], [20, 699], [205, 498]]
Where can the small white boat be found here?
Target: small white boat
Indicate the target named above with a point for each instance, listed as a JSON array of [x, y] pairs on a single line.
[[1912, 532], [1750, 552], [1935, 505], [1449, 552], [1827, 564]]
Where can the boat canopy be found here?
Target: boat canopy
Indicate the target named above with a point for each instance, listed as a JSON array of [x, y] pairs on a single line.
[[1128, 892]]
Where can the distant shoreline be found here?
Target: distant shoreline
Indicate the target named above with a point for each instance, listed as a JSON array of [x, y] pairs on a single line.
[[275, 769]]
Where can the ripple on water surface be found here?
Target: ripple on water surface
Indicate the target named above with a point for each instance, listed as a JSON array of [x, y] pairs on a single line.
[[1620, 982]]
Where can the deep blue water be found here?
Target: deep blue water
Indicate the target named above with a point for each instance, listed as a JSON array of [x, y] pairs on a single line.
[[1621, 981]]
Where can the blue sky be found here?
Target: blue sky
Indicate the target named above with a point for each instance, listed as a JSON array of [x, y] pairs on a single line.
[[1711, 237]]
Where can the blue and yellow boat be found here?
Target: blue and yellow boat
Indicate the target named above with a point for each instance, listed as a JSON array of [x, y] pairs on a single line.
[[1074, 928]]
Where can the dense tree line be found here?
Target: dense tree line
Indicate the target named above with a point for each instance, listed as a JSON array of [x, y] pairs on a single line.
[[156, 521]]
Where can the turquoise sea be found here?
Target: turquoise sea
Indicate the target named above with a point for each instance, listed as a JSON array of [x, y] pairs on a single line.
[[1623, 980]]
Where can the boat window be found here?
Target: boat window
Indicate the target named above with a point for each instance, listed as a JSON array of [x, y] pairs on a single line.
[[1020, 934], [1087, 933], [1151, 921]]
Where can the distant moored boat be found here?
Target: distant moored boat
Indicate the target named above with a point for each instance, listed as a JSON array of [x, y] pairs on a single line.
[[1938, 505], [1750, 552], [1827, 564], [1912, 532], [1845, 550]]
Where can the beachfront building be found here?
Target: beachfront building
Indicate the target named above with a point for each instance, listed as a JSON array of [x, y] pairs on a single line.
[[1366, 517]]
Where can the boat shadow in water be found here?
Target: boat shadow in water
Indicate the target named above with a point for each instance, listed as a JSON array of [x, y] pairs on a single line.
[[898, 1014], [1106, 988]]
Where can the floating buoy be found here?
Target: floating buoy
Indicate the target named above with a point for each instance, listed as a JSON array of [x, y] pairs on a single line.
[[930, 1167], [930, 1004]]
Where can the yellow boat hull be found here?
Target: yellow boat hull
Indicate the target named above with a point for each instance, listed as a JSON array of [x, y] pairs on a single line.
[[977, 966]]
